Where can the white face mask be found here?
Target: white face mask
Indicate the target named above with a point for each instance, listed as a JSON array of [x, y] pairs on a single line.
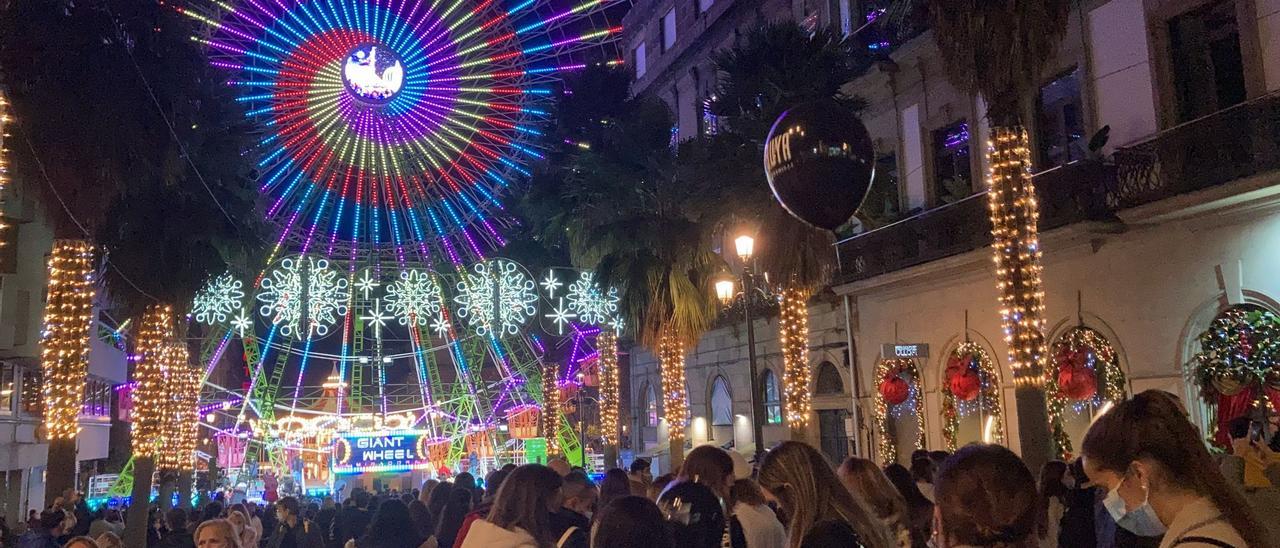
[[1141, 521]]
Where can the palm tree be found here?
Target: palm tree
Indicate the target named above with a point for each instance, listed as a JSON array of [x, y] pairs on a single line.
[[618, 208], [998, 50], [777, 67]]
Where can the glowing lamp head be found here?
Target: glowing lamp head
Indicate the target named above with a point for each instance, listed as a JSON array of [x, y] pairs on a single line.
[[724, 290], [745, 245], [373, 74]]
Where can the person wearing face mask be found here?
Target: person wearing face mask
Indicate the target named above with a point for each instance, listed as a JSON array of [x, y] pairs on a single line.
[[1160, 479]]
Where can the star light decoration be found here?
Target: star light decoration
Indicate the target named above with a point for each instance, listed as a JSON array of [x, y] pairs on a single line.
[[496, 298], [414, 298], [218, 300], [551, 283], [282, 299], [591, 303], [561, 316]]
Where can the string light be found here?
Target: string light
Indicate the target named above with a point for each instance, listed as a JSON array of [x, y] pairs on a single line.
[[988, 400], [793, 336], [607, 346], [1015, 214], [888, 446], [675, 408], [4, 160], [183, 413], [149, 397], [68, 324], [551, 407]]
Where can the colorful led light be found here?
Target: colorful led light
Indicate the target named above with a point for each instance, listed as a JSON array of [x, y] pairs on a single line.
[[394, 124]]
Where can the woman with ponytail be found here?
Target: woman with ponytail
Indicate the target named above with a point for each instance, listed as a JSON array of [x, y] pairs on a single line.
[[1160, 479]]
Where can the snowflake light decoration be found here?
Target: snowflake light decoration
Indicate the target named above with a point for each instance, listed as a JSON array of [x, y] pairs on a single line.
[[497, 298], [219, 299], [415, 297], [592, 304], [282, 296], [327, 296]]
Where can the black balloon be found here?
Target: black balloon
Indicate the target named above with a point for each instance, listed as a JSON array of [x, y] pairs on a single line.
[[819, 162]]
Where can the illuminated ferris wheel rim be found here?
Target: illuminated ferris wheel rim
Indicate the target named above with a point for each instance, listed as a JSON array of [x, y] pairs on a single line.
[[395, 126]]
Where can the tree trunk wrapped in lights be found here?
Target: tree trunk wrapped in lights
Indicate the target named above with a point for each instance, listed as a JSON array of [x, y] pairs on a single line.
[[176, 458], [607, 347], [793, 337], [156, 350], [64, 362], [675, 403], [1015, 215], [551, 408]]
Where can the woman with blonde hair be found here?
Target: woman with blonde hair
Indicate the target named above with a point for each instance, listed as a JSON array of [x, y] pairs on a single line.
[[109, 540], [244, 530], [820, 511], [865, 480], [217, 533]]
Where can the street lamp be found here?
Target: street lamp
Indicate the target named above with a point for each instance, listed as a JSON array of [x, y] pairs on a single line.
[[745, 246]]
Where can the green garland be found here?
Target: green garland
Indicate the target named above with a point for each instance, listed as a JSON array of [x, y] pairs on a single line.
[[1241, 347]]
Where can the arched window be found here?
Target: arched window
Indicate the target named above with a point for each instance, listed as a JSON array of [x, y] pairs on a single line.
[[772, 397], [650, 406], [829, 381], [721, 403]]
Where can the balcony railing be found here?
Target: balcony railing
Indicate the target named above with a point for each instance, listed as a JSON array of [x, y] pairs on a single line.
[[1068, 194], [1231, 144]]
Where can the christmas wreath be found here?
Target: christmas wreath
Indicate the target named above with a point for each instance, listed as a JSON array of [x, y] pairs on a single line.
[[898, 381], [970, 373], [1085, 372]]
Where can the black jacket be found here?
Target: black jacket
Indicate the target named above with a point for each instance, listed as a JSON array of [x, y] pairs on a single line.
[[305, 535]]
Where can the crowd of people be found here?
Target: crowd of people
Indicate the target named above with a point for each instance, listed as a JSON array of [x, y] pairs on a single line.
[[1144, 478]]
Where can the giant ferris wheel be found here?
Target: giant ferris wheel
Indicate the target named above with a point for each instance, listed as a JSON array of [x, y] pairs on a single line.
[[389, 133]]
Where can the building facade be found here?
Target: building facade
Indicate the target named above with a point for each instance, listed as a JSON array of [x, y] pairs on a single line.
[[669, 47], [28, 240], [1146, 239]]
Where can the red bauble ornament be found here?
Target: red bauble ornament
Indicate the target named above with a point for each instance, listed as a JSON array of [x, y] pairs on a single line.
[[965, 384], [1077, 382], [894, 390]]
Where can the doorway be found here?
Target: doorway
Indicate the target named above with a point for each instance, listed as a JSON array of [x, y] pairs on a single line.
[[834, 441]]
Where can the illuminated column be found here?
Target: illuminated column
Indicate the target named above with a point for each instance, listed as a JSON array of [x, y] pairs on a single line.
[[607, 346], [64, 355], [675, 404], [551, 408], [151, 397], [1015, 215], [68, 324], [793, 337]]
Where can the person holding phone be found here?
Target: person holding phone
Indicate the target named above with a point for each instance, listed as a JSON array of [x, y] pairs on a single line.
[[1261, 464]]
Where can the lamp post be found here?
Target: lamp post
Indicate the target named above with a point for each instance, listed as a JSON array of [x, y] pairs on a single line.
[[582, 418], [745, 246]]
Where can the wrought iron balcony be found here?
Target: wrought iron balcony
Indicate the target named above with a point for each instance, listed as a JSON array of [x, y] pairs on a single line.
[[1067, 194], [1228, 145]]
